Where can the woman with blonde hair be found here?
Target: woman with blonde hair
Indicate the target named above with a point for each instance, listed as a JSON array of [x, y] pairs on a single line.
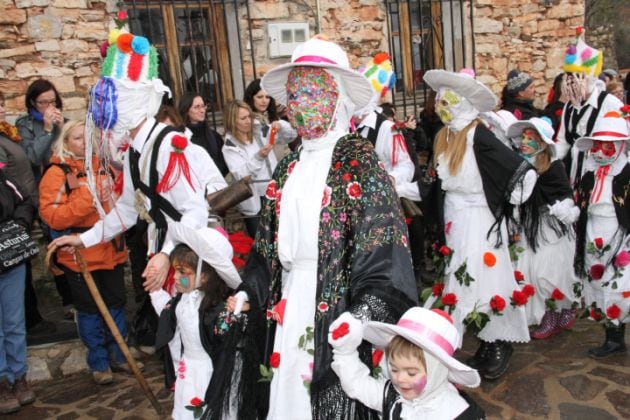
[[67, 204], [247, 154]]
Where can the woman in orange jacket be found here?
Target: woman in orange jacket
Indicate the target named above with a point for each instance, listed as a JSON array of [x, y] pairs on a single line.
[[67, 204]]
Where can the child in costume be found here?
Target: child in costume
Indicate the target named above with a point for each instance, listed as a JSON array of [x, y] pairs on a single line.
[[546, 238], [421, 368], [195, 323], [603, 230]]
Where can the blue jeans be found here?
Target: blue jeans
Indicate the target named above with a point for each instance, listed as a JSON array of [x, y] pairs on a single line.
[[12, 329], [99, 341]]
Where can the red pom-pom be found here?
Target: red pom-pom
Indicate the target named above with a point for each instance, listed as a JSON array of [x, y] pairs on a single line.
[[179, 142], [124, 42], [380, 57]]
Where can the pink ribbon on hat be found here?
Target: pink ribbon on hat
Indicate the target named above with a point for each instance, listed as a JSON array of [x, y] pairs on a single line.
[[429, 334], [314, 59]]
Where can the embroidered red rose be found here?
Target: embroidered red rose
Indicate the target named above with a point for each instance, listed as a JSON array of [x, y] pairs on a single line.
[[346, 177], [557, 295], [489, 259], [595, 315], [270, 193], [337, 166], [196, 402], [291, 166], [274, 359], [341, 330], [322, 307], [497, 303], [622, 259], [597, 271], [449, 299], [437, 289], [354, 190], [519, 298], [599, 243], [179, 143], [613, 311], [529, 290], [354, 162], [444, 250], [326, 196], [377, 356], [519, 276]]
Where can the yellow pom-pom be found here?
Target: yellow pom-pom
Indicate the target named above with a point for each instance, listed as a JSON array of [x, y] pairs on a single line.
[[113, 36], [376, 85]]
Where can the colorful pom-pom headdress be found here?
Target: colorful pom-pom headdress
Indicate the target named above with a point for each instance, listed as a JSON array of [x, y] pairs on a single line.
[[581, 58], [380, 73]]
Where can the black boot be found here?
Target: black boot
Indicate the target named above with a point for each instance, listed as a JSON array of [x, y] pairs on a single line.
[[478, 361], [498, 360], [614, 344]]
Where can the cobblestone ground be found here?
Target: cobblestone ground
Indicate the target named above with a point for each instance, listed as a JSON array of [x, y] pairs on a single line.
[[547, 379]]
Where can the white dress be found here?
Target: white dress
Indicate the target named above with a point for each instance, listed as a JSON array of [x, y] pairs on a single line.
[[602, 223], [194, 367], [298, 254], [467, 220]]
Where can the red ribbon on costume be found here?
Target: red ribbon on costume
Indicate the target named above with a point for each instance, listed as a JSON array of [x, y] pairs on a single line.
[[177, 166], [600, 175], [398, 144]]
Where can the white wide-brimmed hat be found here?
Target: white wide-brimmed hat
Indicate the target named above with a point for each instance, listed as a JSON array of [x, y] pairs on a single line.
[[320, 52], [464, 84], [542, 126], [211, 246], [611, 127], [431, 330]]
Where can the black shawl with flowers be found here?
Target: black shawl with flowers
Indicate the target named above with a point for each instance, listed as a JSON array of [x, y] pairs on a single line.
[[364, 265]]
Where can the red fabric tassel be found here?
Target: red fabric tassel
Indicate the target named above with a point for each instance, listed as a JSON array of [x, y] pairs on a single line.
[[177, 166], [399, 143]]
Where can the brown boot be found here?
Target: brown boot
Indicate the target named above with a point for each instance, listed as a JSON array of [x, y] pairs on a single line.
[[103, 377], [22, 392], [8, 402]]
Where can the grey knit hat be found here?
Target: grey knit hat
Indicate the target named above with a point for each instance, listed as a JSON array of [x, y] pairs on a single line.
[[517, 82]]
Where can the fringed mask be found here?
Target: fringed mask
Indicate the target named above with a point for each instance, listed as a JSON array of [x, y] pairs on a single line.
[[103, 108], [312, 97]]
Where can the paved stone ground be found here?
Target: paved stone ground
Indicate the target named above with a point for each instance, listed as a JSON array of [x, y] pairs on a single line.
[[547, 379]]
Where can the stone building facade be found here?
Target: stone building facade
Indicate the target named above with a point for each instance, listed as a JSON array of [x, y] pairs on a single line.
[[60, 39]]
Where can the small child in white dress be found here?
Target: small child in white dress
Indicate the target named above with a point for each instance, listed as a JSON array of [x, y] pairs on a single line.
[[419, 352], [194, 322]]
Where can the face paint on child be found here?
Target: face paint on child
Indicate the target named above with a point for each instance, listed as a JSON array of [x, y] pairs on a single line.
[[311, 101], [444, 105], [408, 376], [531, 144], [605, 152], [420, 384], [184, 277]]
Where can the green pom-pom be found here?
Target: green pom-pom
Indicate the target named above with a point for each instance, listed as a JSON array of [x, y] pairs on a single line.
[[591, 61], [153, 63], [108, 64]]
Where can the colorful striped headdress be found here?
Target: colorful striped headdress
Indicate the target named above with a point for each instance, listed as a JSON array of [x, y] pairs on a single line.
[[129, 57]]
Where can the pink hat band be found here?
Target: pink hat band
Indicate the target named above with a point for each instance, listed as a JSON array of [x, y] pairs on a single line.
[[429, 334], [314, 59], [609, 133]]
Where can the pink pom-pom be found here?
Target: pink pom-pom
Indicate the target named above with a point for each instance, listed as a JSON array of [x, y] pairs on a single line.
[[468, 72], [586, 54]]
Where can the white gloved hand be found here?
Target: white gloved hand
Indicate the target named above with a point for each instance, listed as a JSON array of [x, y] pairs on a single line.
[[345, 334], [241, 298], [566, 211]]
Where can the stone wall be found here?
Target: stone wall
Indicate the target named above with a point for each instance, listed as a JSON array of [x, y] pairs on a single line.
[[524, 34], [603, 38], [54, 39]]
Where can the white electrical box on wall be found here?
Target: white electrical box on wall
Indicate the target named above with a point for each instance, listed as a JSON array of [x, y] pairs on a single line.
[[284, 37]]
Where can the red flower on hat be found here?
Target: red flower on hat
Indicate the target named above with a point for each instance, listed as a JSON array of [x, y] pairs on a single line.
[[354, 190], [613, 311], [599, 243], [122, 15], [437, 289], [519, 276], [529, 290], [518, 298], [497, 304], [449, 299], [597, 271], [274, 359], [557, 295], [377, 356]]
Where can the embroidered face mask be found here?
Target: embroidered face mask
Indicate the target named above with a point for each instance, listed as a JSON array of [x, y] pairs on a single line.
[[312, 98], [605, 152], [444, 105]]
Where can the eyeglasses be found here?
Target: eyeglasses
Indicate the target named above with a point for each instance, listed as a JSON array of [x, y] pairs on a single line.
[[44, 102]]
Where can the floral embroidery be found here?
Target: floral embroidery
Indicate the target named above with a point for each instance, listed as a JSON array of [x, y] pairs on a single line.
[[354, 190], [270, 193], [326, 197], [223, 323], [196, 406], [497, 304]]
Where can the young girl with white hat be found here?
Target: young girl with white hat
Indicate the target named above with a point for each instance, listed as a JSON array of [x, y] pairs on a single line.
[[603, 230], [546, 231], [422, 371]]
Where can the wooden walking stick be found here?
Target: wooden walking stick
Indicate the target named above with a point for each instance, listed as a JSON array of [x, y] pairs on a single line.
[[102, 307]]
